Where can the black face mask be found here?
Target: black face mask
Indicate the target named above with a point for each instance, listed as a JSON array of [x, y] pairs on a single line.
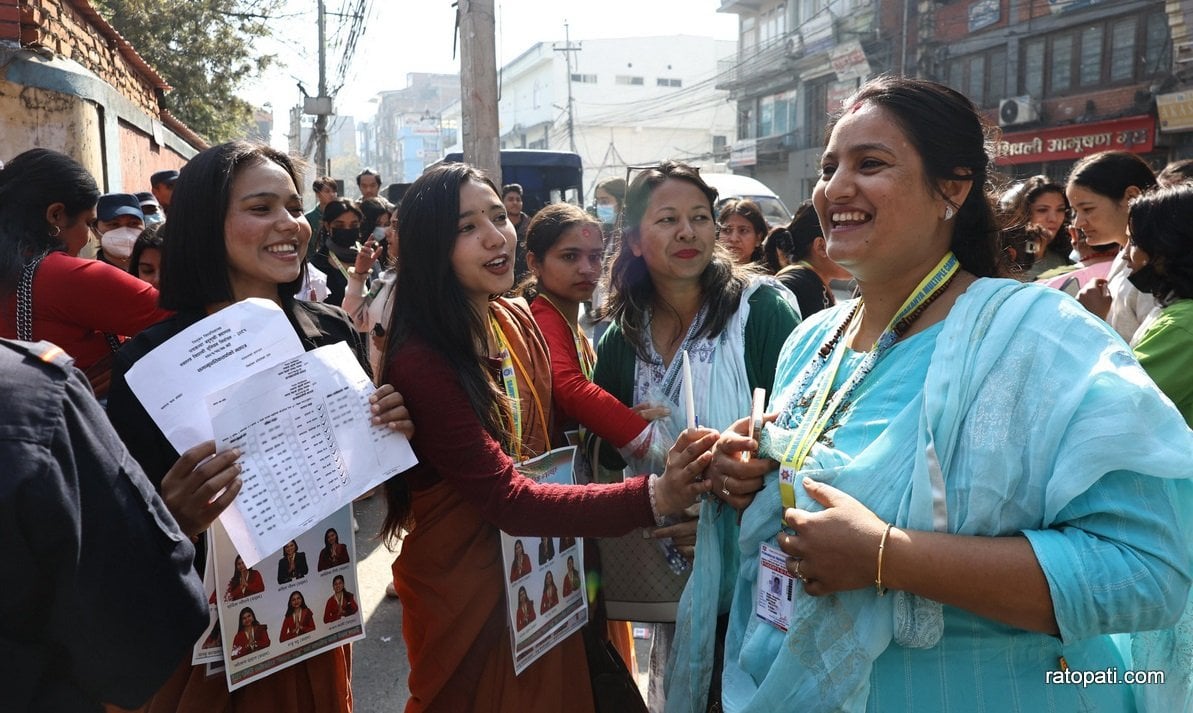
[[1146, 279], [345, 237]]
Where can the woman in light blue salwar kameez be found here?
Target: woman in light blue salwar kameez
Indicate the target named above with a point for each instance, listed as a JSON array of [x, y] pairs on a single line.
[[1036, 481]]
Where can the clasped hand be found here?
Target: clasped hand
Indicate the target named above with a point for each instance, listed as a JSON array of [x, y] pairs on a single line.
[[835, 549], [735, 476]]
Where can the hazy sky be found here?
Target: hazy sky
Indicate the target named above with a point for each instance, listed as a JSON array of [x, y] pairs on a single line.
[[404, 36]]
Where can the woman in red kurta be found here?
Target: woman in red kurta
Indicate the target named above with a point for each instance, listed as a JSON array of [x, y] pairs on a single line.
[[251, 637], [84, 306], [475, 371], [334, 552], [245, 581], [550, 593], [299, 618], [341, 603]]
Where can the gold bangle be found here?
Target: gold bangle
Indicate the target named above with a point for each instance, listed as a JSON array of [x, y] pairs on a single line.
[[881, 546]]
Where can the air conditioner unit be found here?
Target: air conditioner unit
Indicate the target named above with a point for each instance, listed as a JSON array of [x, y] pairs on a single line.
[[1017, 110], [794, 46]]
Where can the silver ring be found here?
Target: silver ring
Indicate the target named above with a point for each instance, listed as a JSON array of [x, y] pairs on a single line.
[[725, 486], [798, 574]]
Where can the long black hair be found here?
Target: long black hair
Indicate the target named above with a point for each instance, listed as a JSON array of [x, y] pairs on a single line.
[[631, 290], [194, 270], [429, 303], [31, 183], [951, 139]]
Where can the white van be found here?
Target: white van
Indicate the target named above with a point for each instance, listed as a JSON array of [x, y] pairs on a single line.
[[731, 185]]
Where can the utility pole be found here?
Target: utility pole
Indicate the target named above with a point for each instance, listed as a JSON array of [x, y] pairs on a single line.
[[478, 86], [322, 112], [567, 50]]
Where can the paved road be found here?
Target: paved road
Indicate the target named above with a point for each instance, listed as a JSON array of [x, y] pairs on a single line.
[[379, 664]]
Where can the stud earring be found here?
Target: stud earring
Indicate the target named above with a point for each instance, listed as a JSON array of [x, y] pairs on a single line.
[[949, 213]]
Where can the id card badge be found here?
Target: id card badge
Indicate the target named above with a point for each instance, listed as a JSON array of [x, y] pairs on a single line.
[[776, 588]]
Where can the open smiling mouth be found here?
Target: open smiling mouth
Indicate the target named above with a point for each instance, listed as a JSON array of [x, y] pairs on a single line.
[[849, 218]]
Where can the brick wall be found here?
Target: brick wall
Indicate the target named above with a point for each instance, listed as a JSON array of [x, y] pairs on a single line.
[[10, 21], [140, 158], [73, 29]]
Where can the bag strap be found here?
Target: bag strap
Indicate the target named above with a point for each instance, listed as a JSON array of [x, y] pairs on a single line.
[[25, 305], [25, 299]]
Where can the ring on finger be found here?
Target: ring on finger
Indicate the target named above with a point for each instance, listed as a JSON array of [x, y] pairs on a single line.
[[725, 486], [799, 575]]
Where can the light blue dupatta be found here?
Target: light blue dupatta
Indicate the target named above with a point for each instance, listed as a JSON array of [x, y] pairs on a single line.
[[1027, 403]]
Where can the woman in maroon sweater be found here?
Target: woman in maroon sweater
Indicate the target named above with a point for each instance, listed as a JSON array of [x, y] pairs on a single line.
[[475, 371]]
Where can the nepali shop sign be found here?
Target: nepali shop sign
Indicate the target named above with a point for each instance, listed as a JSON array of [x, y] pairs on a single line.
[[1136, 134]]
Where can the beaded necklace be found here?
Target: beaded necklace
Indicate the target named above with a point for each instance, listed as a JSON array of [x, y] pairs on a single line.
[[819, 410]]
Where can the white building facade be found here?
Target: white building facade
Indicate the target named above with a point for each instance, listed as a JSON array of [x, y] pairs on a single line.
[[633, 101]]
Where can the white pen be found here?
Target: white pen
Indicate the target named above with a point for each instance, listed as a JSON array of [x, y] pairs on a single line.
[[689, 395], [756, 416]]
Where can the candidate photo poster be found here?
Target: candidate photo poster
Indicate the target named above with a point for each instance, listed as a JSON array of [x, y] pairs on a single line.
[[208, 648], [544, 576], [295, 603]]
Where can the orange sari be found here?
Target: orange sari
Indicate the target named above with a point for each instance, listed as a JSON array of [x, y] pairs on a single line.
[[322, 684], [450, 579]]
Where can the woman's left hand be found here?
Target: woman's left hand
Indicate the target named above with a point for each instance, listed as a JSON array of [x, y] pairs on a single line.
[[836, 549], [388, 408]]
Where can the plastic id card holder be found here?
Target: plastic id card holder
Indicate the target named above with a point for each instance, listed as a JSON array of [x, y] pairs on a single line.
[[776, 588]]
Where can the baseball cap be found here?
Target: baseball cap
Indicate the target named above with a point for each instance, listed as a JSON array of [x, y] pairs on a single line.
[[168, 176], [115, 204], [146, 199]]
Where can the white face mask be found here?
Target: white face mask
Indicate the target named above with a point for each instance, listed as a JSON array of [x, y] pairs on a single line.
[[118, 242], [154, 218], [379, 233]]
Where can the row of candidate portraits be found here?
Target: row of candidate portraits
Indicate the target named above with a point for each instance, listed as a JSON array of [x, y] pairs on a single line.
[[252, 636], [549, 597], [521, 566], [292, 566]]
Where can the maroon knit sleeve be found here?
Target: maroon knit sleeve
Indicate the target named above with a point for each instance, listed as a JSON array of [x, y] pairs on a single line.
[[451, 442]]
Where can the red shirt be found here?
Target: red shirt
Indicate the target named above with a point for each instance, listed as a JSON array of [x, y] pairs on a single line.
[[75, 301], [577, 398], [453, 445]]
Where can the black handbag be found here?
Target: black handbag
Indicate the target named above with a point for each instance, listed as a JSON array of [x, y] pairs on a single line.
[[614, 689]]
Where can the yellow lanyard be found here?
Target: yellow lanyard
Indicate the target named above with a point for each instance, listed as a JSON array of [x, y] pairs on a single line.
[[820, 411], [509, 380]]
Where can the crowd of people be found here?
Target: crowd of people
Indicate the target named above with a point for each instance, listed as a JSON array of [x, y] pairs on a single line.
[[971, 487]]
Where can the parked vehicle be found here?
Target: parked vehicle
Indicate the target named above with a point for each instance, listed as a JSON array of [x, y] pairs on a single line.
[[545, 176], [732, 185]]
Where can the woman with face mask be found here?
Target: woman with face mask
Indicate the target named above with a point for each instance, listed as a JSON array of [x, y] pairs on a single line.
[[47, 203], [336, 246]]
